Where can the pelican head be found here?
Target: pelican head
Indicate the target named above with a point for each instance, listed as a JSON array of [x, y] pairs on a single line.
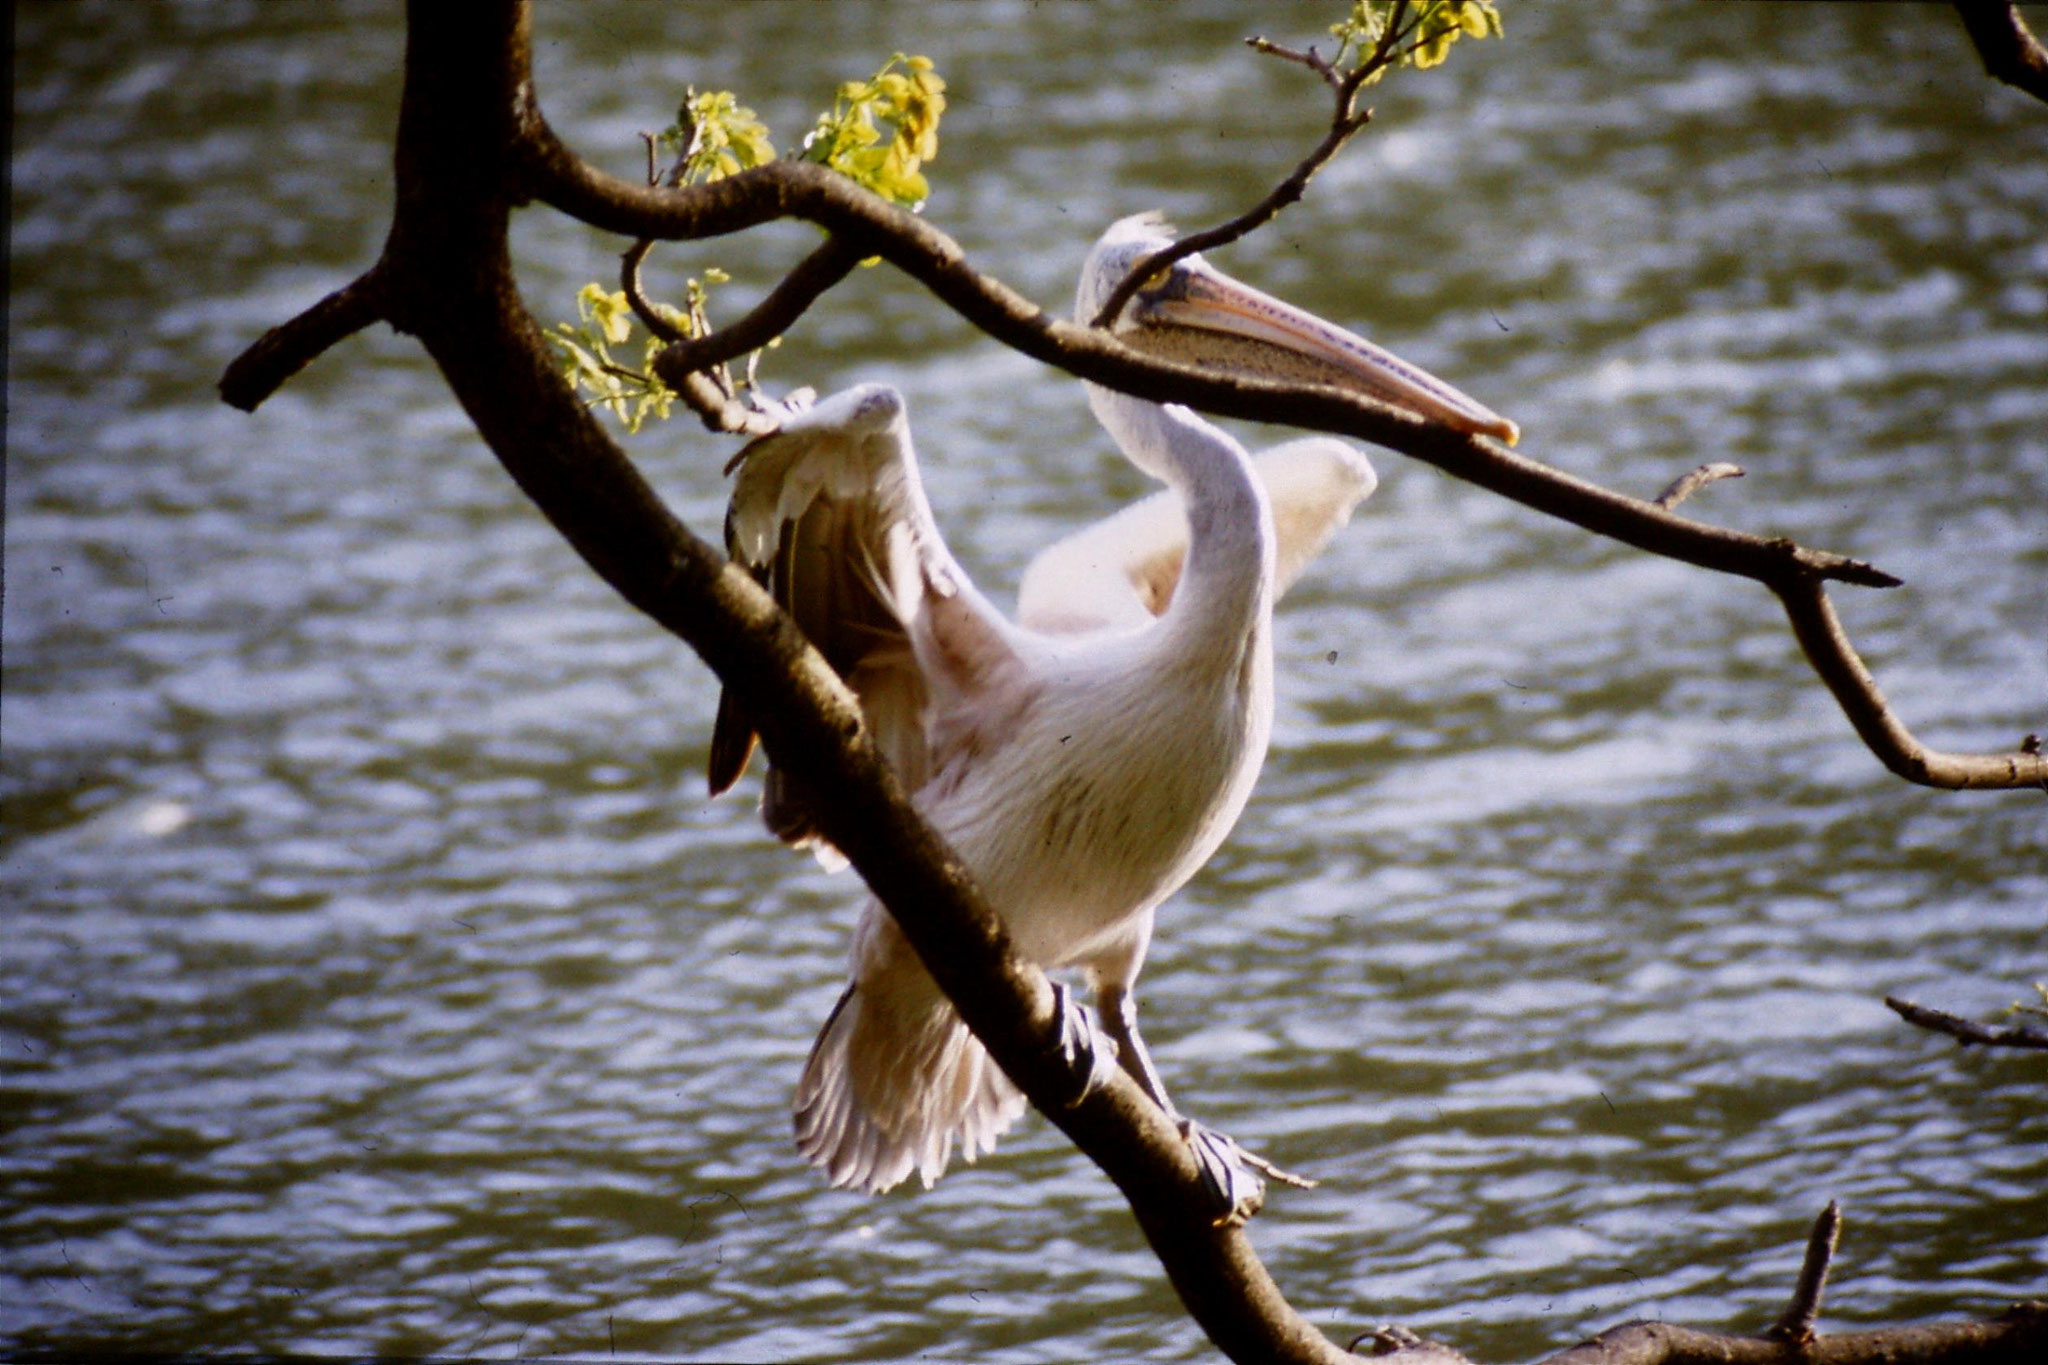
[[1195, 314]]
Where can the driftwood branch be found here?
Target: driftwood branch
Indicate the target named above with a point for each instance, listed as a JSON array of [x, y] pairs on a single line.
[[471, 146], [2009, 48], [2018, 1336], [1968, 1032]]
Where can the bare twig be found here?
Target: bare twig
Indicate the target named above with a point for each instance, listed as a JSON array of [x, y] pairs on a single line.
[[1796, 1326], [2009, 48], [1345, 121], [1828, 649], [1968, 1032], [816, 273], [1691, 482], [1308, 57]]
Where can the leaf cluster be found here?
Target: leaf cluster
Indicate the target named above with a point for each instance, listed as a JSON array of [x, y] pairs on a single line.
[[605, 320], [880, 132], [1384, 34], [714, 136]]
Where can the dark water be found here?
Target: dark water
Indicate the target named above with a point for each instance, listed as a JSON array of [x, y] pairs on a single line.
[[376, 976]]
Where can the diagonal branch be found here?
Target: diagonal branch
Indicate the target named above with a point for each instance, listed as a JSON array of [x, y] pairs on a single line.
[[1968, 1032], [1796, 573], [1345, 123], [803, 286], [1346, 120]]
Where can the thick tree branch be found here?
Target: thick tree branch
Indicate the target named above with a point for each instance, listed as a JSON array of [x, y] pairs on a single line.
[[2009, 48]]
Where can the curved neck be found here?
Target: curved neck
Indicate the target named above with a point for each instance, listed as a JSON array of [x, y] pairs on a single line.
[[1226, 586]]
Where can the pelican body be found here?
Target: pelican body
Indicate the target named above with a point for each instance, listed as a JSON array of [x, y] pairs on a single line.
[[1084, 760]]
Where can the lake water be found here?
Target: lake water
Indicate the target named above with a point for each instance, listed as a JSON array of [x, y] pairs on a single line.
[[376, 976]]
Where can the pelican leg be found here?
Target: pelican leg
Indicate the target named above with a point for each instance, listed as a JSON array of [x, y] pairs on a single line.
[[1082, 1043], [1234, 1176]]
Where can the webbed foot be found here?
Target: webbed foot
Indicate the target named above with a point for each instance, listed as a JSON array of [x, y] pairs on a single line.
[[1088, 1051], [1234, 1176]]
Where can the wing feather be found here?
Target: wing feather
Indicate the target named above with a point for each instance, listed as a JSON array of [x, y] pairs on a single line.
[[830, 514]]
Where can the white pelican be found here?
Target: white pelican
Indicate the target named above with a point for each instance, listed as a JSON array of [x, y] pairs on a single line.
[[1084, 760]]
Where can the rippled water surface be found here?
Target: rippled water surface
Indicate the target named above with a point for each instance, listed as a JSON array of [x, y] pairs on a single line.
[[377, 978]]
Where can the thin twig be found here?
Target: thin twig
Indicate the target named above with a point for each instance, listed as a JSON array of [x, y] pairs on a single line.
[[1691, 482], [1345, 122], [831, 262], [1309, 58], [643, 307], [1796, 1326], [1968, 1032]]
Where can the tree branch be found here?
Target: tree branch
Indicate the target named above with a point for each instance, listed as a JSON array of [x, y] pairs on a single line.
[[1828, 649], [1691, 482], [2019, 1336], [1796, 1326], [1345, 123], [447, 261], [2009, 48], [290, 346], [929, 256], [803, 286], [1968, 1032]]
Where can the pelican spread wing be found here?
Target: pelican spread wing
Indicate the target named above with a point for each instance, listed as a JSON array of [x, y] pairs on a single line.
[[1122, 570], [829, 513]]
